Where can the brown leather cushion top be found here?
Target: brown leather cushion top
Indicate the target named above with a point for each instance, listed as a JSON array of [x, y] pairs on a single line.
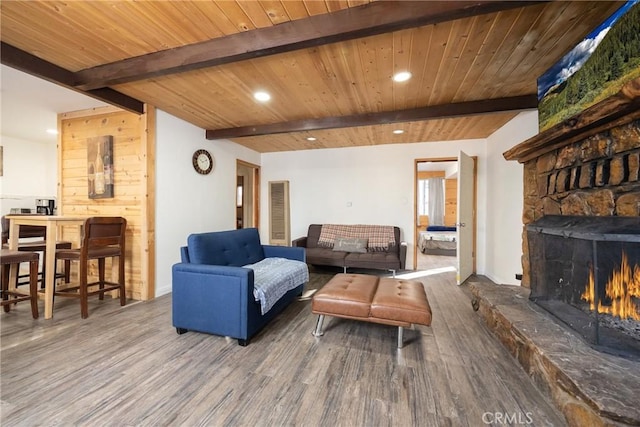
[[346, 295], [402, 301], [374, 299], [72, 254], [14, 257], [38, 246]]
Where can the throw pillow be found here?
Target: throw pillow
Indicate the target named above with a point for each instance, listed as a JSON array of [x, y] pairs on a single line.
[[350, 244]]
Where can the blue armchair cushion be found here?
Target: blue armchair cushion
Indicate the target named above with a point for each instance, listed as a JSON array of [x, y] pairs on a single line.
[[233, 248]]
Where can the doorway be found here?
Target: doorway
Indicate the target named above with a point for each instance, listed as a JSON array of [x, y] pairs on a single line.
[[438, 247], [247, 195]]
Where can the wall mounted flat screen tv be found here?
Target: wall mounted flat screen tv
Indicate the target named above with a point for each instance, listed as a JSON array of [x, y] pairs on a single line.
[[595, 69]]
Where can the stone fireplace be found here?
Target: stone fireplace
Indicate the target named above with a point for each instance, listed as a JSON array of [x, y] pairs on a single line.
[[586, 272], [596, 175], [582, 220], [581, 228]]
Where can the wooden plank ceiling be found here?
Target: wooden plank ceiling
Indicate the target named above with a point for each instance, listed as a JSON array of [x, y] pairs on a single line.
[[328, 65]]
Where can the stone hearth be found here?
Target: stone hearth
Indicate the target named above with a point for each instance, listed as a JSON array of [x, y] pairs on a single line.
[[591, 388]]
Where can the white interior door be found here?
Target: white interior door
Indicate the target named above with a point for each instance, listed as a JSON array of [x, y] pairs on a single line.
[[465, 217]]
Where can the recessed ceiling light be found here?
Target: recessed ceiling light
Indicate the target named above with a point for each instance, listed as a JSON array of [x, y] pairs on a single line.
[[310, 138], [52, 131], [402, 76], [398, 131], [262, 96]]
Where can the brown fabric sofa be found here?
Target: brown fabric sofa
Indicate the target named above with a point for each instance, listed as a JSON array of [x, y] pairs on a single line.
[[392, 259]]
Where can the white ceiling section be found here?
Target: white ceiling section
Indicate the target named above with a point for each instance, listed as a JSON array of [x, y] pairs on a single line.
[[30, 105]]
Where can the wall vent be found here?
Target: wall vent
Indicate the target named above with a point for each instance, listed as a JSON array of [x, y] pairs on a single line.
[[279, 221]]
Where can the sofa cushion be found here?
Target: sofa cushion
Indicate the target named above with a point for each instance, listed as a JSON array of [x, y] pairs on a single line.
[[313, 235], [228, 248], [350, 244], [379, 236], [375, 260], [325, 256]]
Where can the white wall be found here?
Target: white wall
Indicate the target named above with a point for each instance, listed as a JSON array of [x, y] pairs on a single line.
[[505, 199], [187, 202], [29, 172], [451, 170], [362, 185], [376, 181]]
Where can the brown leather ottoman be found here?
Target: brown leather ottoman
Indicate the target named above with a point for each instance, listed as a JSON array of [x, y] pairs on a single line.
[[368, 298]]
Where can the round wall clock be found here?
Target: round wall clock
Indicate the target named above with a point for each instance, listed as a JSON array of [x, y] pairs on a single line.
[[202, 162]]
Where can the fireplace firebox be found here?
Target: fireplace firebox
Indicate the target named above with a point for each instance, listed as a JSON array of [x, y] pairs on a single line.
[[585, 270]]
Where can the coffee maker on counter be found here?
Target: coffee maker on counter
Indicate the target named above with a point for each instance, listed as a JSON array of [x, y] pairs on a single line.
[[45, 206]]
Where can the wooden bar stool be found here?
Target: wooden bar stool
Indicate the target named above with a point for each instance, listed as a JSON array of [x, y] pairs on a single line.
[[8, 258], [31, 232], [102, 237]]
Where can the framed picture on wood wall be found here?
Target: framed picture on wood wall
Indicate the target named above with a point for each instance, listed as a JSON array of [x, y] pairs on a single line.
[[100, 167]]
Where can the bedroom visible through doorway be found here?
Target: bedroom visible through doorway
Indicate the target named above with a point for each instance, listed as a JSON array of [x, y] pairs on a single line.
[[437, 210]]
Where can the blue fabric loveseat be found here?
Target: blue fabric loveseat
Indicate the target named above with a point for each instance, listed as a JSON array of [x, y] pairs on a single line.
[[214, 293]]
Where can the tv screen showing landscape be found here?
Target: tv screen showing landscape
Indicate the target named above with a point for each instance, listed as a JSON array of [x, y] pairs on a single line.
[[595, 69]]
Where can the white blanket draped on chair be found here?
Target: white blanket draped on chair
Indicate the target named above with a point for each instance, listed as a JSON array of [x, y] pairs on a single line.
[[274, 277]]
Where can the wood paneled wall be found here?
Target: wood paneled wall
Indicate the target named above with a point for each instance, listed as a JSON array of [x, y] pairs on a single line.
[[450, 201], [134, 184], [430, 174]]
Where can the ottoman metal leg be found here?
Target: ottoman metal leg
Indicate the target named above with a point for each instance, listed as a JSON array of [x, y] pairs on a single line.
[[400, 340], [318, 331]]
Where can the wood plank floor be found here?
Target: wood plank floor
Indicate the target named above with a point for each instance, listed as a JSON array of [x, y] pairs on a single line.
[[429, 262], [126, 366]]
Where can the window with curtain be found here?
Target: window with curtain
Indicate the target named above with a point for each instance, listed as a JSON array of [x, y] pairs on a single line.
[[431, 199], [423, 196]]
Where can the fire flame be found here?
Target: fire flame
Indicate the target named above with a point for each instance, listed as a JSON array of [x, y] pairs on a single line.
[[622, 287]]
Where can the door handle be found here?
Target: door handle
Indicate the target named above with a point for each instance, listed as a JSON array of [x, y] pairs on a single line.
[[461, 224]]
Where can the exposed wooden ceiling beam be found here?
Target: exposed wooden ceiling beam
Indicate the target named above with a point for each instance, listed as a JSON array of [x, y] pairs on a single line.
[[30, 64], [487, 106], [371, 19]]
